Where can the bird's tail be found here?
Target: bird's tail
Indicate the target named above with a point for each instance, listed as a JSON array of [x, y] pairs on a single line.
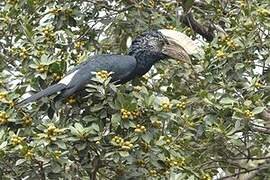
[[46, 92]]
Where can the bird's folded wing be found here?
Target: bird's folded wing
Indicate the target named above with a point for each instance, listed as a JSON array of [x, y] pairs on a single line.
[[122, 68]]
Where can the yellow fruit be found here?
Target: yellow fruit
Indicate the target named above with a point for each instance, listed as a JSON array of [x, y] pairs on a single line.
[[27, 120], [157, 124], [41, 68], [3, 95], [127, 145], [181, 105], [220, 54], [248, 114], [3, 117], [137, 130], [166, 106], [153, 173], [16, 140], [258, 85], [29, 154]]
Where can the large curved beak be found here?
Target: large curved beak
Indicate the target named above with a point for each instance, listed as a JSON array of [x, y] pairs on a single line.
[[179, 46], [176, 52]]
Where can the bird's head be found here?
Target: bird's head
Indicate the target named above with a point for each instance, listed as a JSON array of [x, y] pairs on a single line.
[[165, 43]]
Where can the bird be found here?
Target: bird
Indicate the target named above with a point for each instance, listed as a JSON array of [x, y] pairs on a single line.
[[145, 50]]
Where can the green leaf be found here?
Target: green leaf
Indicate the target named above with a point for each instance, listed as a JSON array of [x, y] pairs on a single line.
[[19, 162], [147, 137], [95, 127], [3, 144], [124, 153], [258, 110], [78, 127], [239, 66], [228, 100], [116, 119], [27, 29]]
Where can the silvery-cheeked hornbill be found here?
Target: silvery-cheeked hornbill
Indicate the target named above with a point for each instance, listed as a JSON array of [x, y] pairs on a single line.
[[144, 52]]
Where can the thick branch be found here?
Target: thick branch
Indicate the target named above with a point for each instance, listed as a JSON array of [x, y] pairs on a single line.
[[207, 33]]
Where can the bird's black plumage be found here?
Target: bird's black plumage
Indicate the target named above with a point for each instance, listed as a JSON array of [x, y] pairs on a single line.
[[145, 51]]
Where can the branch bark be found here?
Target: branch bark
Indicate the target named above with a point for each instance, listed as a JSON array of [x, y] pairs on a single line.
[[207, 33]]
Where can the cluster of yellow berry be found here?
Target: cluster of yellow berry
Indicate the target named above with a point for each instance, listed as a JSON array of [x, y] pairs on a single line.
[[181, 105], [3, 96], [16, 140], [56, 76], [258, 85], [52, 131], [140, 129], [220, 54], [168, 139], [125, 114], [103, 74], [170, 27], [231, 43], [3, 117], [146, 77], [6, 19], [141, 163], [166, 107], [172, 162], [56, 10], [79, 44], [137, 88], [12, 2], [157, 124], [23, 53], [168, 6], [227, 41], [263, 11], [205, 177], [153, 173], [145, 146], [27, 120], [48, 33], [248, 114], [242, 3], [118, 140], [136, 114], [41, 68], [71, 100], [29, 154], [11, 103], [125, 145]]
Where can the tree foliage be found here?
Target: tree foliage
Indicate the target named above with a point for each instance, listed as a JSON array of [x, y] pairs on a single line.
[[178, 121]]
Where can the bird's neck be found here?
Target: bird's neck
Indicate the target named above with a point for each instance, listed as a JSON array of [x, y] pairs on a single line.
[[146, 59]]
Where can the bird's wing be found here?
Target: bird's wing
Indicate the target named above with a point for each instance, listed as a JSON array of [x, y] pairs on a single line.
[[122, 68], [76, 79]]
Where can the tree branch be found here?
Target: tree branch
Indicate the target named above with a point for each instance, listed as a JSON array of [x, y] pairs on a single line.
[[207, 33]]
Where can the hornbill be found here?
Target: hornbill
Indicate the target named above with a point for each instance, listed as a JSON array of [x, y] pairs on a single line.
[[144, 52]]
